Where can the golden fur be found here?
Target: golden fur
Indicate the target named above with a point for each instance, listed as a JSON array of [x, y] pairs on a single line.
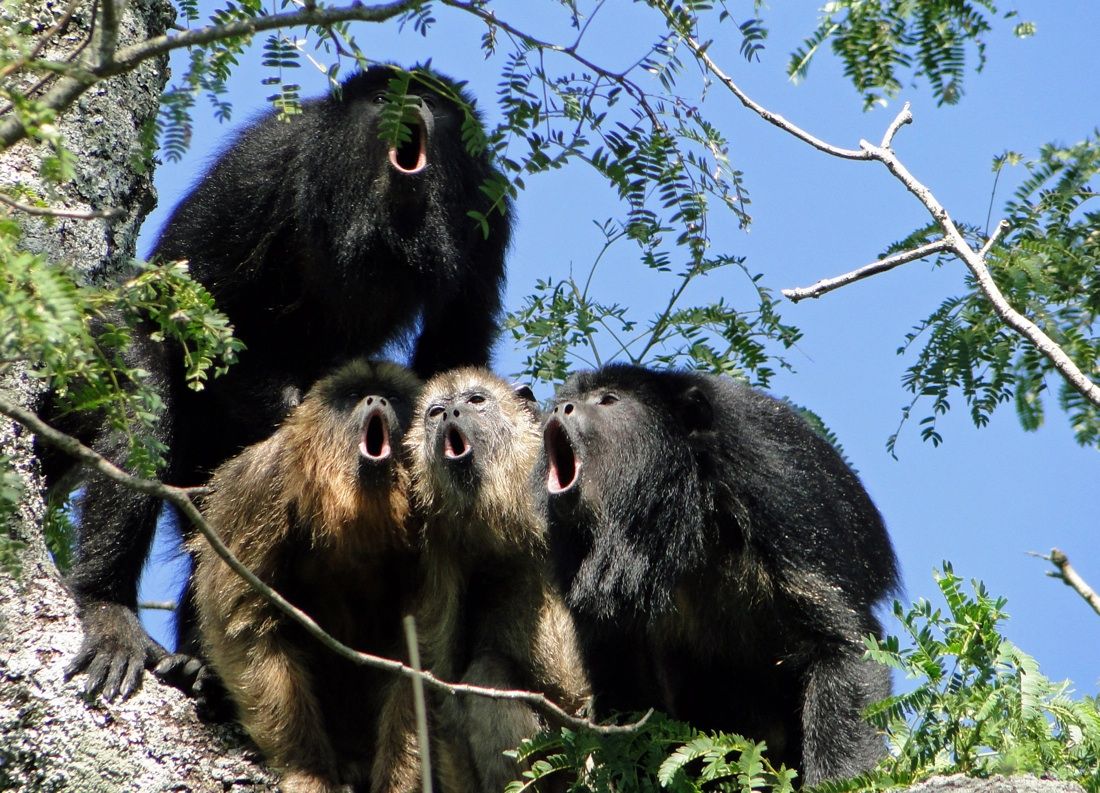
[[487, 614], [295, 510]]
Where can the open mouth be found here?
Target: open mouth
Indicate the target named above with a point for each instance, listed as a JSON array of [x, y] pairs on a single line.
[[564, 465], [411, 156], [374, 443], [455, 444]]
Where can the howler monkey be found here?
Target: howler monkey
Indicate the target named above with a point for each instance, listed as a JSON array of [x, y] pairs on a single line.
[[320, 242], [320, 512], [487, 614], [721, 561]]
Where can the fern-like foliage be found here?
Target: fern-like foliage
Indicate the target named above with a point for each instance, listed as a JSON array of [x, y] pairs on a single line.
[[981, 706]]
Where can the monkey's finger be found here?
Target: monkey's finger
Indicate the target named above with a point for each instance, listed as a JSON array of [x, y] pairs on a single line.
[[114, 677], [97, 675], [81, 660], [132, 680]]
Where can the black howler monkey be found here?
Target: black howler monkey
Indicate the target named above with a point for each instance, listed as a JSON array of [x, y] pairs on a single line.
[[320, 243], [487, 613], [320, 512], [721, 562]]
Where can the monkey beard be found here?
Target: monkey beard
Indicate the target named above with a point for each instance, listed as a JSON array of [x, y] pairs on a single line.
[[620, 557]]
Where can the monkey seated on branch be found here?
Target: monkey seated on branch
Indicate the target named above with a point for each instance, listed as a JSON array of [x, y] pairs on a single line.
[[721, 560], [487, 614], [319, 512]]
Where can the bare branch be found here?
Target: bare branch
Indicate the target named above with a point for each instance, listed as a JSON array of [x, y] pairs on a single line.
[[866, 271], [903, 118], [1001, 228], [180, 499], [1070, 577], [92, 214], [699, 51]]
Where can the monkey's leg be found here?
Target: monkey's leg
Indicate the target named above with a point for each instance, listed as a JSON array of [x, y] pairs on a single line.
[[273, 688], [396, 764], [489, 727], [836, 741]]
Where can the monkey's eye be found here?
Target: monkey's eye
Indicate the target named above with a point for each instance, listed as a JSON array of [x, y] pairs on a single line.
[[609, 399], [476, 399], [435, 411], [379, 98]]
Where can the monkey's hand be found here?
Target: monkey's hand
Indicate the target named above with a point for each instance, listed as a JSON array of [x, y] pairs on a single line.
[[114, 652], [199, 681]]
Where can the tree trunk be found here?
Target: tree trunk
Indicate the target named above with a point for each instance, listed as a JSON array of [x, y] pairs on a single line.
[[50, 738]]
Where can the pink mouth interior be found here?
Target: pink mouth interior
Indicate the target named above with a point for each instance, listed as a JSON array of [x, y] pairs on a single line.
[[375, 441], [455, 445], [411, 156], [564, 465]]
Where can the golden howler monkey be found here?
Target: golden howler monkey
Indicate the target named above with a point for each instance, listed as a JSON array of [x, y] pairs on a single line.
[[320, 242], [487, 614], [320, 512], [721, 561]]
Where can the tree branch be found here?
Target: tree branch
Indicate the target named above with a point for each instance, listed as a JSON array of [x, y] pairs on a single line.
[[92, 214], [179, 497], [1070, 577], [874, 268], [69, 89], [953, 239]]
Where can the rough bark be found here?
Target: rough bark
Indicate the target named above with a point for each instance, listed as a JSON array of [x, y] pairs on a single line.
[[997, 784], [50, 738]]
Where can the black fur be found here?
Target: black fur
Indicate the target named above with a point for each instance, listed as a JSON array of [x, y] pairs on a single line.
[[721, 560], [319, 249]]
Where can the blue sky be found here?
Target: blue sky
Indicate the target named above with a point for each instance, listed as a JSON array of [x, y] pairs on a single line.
[[984, 498]]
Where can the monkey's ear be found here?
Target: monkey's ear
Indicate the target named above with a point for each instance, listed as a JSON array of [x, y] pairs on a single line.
[[525, 393], [695, 410]]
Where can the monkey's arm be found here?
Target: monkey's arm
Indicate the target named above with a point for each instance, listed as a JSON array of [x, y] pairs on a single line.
[[460, 329]]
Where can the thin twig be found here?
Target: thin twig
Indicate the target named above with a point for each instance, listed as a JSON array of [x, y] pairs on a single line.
[[180, 499], [419, 706], [1070, 577], [92, 214], [158, 605], [866, 271]]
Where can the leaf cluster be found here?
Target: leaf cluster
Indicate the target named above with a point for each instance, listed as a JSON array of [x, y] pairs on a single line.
[[76, 337], [1048, 267], [981, 706], [660, 755], [879, 41]]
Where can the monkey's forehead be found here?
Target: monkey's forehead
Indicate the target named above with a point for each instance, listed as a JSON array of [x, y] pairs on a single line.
[[456, 382], [362, 373], [629, 378]]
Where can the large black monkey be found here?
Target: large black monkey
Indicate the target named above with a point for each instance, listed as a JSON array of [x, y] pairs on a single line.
[[721, 560], [320, 243]]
